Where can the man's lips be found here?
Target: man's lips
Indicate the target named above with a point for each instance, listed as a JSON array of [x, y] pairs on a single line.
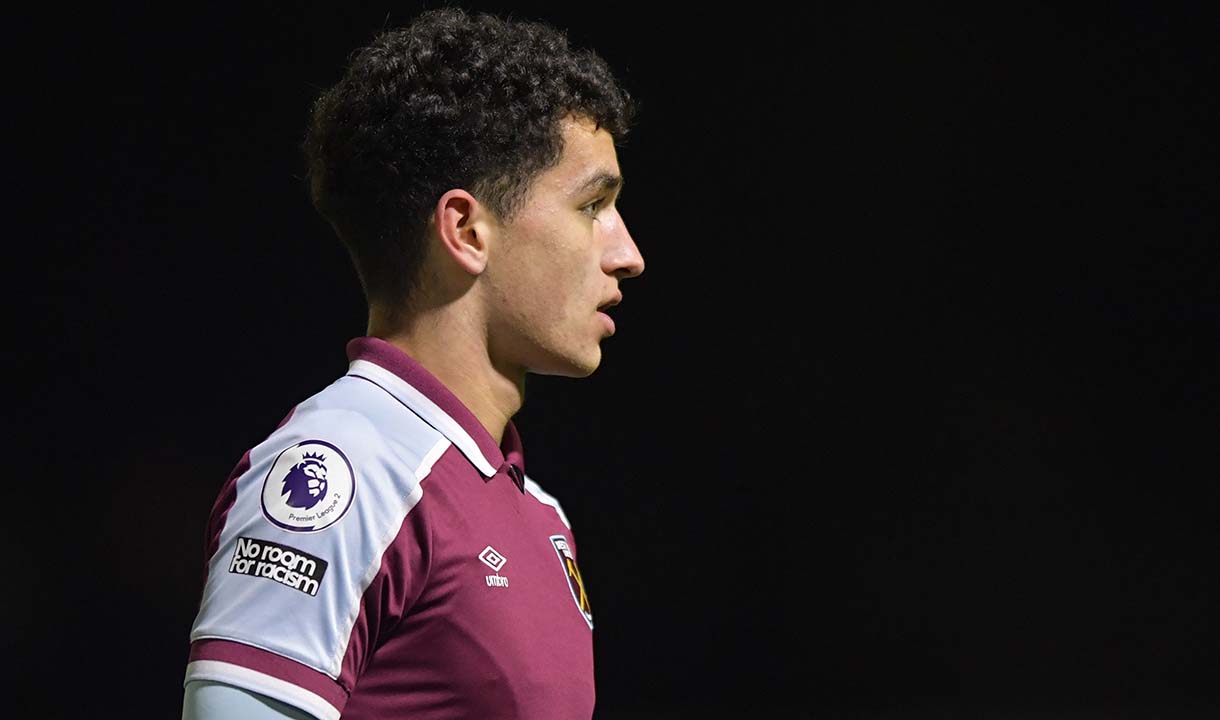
[[618, 298], [609, 321], [601, 310]]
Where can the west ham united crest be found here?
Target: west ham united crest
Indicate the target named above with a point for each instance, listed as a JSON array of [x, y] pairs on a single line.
[[309, 487], [575, 584]]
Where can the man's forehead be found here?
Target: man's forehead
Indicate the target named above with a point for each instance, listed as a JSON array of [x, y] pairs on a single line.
[[588, 154], [588, 162]]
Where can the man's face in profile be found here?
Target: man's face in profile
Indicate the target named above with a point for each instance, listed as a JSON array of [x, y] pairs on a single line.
[[558, 264]]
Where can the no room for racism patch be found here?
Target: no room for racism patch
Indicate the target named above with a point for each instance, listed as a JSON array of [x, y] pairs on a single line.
[[285, 565]]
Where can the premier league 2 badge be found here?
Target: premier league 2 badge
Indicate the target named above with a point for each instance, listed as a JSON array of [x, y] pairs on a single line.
[[309, 487]]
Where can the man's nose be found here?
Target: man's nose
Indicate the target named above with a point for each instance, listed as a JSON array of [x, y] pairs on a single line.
[[624, 258]]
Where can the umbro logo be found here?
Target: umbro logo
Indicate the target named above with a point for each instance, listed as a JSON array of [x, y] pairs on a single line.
[[492, 559], [495, 561]]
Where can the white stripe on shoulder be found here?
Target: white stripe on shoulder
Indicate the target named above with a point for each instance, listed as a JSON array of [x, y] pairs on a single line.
[[409, 502], [430, 458], [256, 681], [536, 490]]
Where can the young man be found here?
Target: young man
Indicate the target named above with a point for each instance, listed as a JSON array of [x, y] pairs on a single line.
[[383, 554]]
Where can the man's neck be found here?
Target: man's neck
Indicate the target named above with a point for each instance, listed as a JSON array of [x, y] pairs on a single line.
[[456, 354]]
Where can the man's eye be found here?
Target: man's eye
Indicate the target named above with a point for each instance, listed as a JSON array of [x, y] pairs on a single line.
[[592, 207]]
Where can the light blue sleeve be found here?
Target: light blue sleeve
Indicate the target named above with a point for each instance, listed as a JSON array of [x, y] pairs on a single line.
[[207, 700]]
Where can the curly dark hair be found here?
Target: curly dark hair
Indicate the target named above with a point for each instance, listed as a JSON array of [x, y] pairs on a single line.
[[451, 100]]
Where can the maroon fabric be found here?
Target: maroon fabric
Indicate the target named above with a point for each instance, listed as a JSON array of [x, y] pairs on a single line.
[[463, 648], [271, 664]]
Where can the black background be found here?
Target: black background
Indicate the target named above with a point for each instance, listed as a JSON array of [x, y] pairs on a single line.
[[914, 410]]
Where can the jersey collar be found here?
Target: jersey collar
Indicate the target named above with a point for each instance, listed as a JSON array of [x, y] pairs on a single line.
[[402, 376]]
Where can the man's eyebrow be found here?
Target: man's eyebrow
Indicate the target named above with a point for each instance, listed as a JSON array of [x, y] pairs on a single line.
[[601, 180]]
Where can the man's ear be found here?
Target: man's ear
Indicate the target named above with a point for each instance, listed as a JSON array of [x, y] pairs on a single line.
[[464, 226]]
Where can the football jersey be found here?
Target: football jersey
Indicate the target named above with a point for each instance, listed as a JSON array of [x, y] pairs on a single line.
[[380, 556]]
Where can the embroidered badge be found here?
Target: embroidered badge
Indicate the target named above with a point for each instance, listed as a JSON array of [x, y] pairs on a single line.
[[309, 487], [575, 584]]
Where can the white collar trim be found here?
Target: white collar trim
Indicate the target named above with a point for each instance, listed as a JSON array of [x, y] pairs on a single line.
[[428, 411]]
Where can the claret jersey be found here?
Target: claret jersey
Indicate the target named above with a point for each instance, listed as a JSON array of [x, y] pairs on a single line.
[[379, 556]]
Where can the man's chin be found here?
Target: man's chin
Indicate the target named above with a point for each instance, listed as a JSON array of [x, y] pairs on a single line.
[[570, 366]]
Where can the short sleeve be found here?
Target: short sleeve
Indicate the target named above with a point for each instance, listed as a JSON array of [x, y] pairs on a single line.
[[320, 545]]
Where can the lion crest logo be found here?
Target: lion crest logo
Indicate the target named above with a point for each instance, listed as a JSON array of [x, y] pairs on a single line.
[[309, 487], [305, 484]]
